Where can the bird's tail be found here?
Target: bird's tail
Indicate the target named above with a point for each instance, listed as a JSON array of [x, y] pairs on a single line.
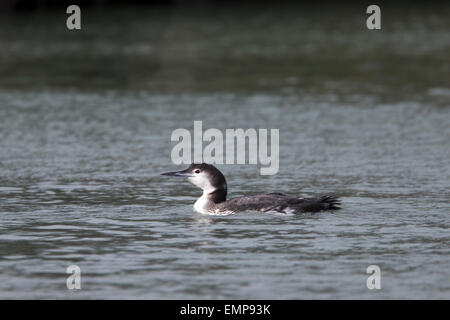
[[330, 202]]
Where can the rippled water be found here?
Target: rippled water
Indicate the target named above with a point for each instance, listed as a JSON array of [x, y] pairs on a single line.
[[80, 160]]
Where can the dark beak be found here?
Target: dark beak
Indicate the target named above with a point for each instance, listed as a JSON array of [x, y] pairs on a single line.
[[179, 174]]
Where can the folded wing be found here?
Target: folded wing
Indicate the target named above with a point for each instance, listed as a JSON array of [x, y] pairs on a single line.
[[279, 202]]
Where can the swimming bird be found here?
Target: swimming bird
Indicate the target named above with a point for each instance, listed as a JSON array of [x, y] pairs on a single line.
[[214, 198]]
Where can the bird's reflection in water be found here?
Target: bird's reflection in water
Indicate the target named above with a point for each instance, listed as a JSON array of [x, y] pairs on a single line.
[[203, 220]]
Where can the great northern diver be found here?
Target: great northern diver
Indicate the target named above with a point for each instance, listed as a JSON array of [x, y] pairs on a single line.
[[214, 199]]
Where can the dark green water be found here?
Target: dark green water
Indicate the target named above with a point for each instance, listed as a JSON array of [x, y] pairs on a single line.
[[85, 125]]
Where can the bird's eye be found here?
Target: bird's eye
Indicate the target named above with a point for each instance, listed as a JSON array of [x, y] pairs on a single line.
[[197, 171]]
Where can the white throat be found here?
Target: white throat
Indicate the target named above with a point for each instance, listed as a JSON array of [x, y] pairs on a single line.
[[203, 203]]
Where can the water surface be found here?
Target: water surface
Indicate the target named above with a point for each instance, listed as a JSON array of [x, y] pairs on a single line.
[[86, 120]]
